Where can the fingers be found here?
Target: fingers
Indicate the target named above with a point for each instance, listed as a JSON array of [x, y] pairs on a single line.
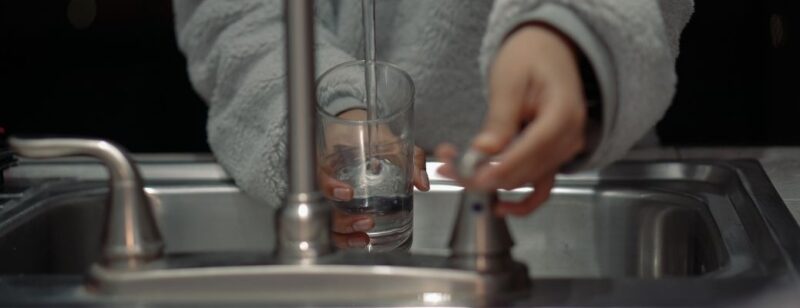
[[545, 145], [508, 86], [352, 240], [544, 92], [532, 202], [335, 189], [349, 231], [447, 153], [420, 178], [345, 223], [552, 139]]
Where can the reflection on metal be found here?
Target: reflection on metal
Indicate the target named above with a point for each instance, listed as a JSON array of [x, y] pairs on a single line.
[[303, 229], [480, 240], [131, 235], [621, 235], [436, 298], [666, 246], [305, 220]]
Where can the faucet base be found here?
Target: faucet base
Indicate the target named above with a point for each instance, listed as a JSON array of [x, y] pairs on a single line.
[[303, 228]]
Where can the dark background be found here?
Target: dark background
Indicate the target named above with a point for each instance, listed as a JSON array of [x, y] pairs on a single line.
[[738, 73], [118, 74]]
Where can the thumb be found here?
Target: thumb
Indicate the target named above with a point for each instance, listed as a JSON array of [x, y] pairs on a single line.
[[507, 88]]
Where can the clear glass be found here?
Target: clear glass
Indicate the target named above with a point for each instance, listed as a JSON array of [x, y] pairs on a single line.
[[374, 157]]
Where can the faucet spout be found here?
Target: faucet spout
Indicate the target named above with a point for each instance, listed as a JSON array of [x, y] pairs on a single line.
[[131, 235], [304, 221]]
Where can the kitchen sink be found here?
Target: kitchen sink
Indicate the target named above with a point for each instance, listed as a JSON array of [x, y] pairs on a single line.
[[64, 236], [629, 234], [583, 231]]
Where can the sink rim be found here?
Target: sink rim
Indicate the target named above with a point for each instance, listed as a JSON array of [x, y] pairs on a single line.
[[773, 219], [740, 259]]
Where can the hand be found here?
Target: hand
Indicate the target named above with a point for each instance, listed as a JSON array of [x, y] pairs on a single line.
[[536, 95], [350, 230]]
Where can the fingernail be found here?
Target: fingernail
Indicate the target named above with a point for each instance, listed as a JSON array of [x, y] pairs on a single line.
[[357, 242], [341, 194], [362, 225], [426, 182]]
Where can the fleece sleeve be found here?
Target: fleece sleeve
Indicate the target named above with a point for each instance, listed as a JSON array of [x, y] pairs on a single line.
[[235, 52]]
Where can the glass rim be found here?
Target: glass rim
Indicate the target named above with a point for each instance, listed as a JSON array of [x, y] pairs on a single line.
[[407, 107]]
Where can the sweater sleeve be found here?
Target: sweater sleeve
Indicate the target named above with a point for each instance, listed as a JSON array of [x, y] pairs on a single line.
[[235, 53], [632, 47]]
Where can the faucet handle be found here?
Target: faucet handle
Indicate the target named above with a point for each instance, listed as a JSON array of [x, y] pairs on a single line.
[[131, 235], [479, 237]]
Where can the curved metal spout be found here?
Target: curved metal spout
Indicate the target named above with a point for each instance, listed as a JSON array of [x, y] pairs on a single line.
[[131, 236]]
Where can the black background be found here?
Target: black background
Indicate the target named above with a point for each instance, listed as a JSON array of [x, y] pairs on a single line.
[[123, 78], [736, 86]]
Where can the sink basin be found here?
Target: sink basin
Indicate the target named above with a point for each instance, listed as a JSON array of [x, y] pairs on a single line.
[[581, 232], [63, 237], [596, 232], [624, 233]]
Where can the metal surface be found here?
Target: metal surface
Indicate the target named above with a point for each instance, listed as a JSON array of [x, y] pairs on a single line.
[[306, 216], [330, 284], [131, 236], [480, 240], [641, 234], [6, 159], [303, 228], [88, 169]]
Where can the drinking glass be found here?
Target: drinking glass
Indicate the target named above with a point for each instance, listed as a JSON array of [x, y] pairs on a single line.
[[372, 154]]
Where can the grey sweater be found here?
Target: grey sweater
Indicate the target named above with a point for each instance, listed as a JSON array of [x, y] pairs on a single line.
[[235, 57]]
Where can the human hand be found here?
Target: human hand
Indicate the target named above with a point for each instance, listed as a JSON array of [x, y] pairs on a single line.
[[536, 95], [350, 230]]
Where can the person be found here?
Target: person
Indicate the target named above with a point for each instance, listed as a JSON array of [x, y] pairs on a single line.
[[570, 84]]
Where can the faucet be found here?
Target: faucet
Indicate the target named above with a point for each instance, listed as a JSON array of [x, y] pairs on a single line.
[[131, 236], [480, 263], [480, 241], [304, 221]]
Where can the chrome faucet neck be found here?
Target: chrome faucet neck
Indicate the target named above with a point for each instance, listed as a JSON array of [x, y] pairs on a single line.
[[303, 223]]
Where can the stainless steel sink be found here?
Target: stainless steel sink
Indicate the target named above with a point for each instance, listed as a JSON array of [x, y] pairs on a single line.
[[592, 231], [63, 235], [582, 232], [704, 230]]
